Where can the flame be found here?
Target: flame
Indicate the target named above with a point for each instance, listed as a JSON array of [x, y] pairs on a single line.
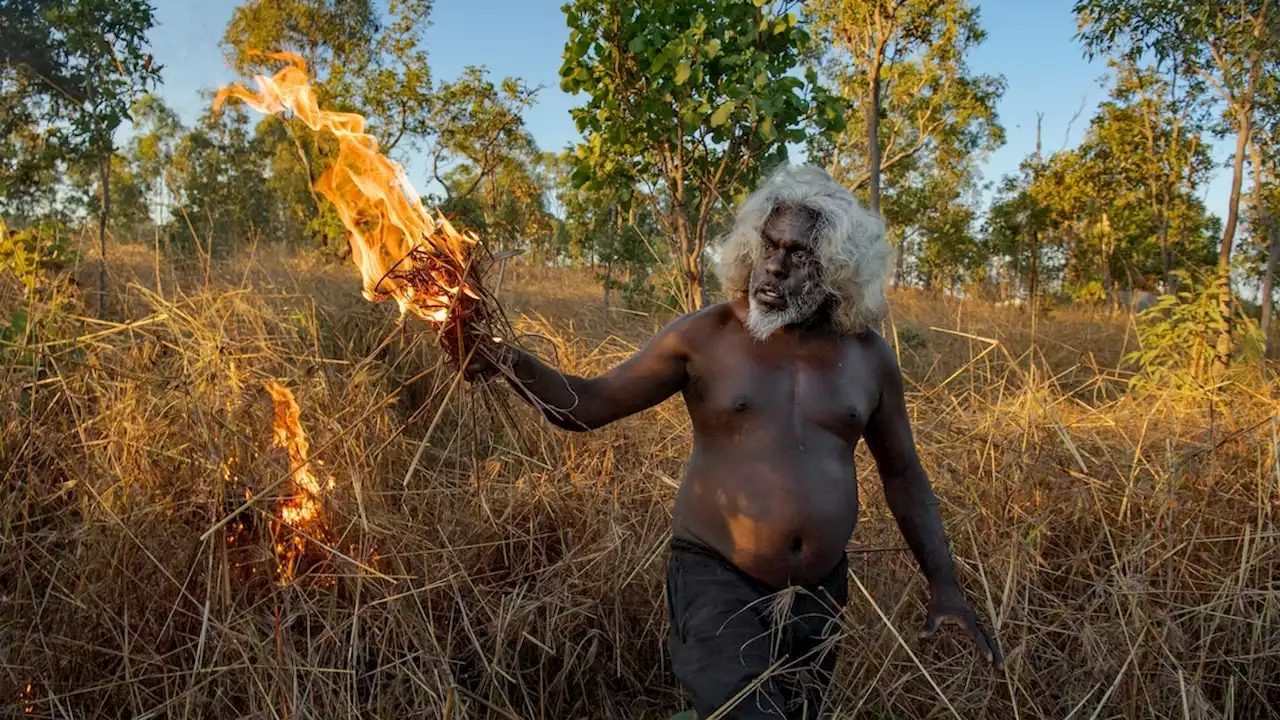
[[303, 509], [391, 234], [27, 698]]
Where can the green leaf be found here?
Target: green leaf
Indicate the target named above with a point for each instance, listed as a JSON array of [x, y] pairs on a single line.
[[581, 175], [660, 61], [721, 115], [637, 44], [682, 73]]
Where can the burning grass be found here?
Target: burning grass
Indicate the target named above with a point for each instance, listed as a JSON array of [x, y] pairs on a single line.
[[1123, 548], [432, 270]]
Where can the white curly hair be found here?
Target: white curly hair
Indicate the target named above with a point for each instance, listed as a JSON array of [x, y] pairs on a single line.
[[850, 243]]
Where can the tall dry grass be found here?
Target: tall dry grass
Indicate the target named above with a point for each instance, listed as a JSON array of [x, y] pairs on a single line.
[[479, 564]]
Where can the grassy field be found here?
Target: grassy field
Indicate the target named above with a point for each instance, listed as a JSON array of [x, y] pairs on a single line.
[[471, 562]]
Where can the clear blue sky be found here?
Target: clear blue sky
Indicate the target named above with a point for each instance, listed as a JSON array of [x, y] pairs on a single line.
[[1030, 42]]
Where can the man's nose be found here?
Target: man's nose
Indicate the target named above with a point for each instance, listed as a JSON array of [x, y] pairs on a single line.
[[774, 265]]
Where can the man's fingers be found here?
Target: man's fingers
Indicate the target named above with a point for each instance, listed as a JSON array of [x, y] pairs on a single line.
[[998, 659], [979, 637]]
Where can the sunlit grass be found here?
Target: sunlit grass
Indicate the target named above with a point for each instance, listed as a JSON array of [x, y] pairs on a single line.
[[1122, 548]]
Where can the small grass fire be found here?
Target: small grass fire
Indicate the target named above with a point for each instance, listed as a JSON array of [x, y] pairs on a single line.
[[302, 511], [296, 538]]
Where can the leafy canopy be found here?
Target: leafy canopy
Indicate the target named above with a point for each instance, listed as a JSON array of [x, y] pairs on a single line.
[[703, 87]]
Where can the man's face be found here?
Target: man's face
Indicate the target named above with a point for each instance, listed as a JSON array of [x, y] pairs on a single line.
[[786, 283]]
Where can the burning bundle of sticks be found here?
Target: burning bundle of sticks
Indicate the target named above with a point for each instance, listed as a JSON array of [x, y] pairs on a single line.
[[432, 270]]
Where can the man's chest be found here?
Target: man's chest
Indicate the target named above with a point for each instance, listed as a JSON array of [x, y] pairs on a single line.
[[831, 390]]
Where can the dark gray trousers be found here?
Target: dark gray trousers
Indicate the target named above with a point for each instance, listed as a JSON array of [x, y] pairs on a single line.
[[729, 629]]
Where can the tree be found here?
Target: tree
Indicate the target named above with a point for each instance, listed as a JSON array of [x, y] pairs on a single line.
[[129, 217], [1264, 210], [596, 229], [220, 178], [933, 201], [152, 151], [475, 122], [1015, 226], [362, 59], [1171, 109], [687, 101], [512, 213], [1108, 213], [1228, 44], [80, 63], [900, 64], [1117, 196], [36, 90]]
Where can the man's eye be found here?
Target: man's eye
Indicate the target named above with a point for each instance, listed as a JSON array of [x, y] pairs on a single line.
[[801, 255]]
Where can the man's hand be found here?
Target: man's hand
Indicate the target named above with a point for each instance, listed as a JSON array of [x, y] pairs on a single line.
[[490, 357], [948, 605]]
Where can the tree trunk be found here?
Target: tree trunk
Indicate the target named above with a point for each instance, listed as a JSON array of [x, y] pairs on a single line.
[[1222, 356], [616, 218], [900, 261], [1109, 284], [1016, 280], [104, 213], [1166, 254], [1266, 224], [873, 138], [608, 283], [694, 274], [1268, 279], [690, 267], [1034, 278]]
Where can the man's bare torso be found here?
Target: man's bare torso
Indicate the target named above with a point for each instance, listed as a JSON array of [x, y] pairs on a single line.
[[779, 400], [771, 483]]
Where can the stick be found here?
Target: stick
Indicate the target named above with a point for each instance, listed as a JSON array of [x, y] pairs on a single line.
[[422, 445]]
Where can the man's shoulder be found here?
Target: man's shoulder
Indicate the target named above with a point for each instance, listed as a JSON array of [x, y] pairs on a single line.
[[876, 348], [688, 334], [708, 319]]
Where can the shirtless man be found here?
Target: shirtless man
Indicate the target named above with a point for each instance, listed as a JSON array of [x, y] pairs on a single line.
[[780, 383]]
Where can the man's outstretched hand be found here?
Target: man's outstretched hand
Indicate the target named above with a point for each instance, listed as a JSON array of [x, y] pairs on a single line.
[[489, 357], [948, 605]]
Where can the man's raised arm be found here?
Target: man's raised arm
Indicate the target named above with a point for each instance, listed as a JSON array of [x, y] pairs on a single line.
[[654, 373], [915, 507]]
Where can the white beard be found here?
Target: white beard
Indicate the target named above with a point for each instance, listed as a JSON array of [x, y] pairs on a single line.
[[762, 320]]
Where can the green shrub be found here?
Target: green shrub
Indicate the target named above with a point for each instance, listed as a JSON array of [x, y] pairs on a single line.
[[35, 254], [1179, 335]]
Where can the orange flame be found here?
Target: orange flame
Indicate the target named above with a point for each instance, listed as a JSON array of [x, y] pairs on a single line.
[[379, 207], [303, 510]]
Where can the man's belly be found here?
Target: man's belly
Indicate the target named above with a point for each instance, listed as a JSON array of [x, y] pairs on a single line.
[[782, 516]]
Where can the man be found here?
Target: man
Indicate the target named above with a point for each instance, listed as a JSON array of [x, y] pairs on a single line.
[[780, 383]]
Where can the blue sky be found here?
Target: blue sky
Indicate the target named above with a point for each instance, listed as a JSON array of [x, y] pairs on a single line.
[[1030, 42]]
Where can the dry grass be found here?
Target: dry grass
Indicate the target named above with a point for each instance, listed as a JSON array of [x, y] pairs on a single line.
[[1124, 548]]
